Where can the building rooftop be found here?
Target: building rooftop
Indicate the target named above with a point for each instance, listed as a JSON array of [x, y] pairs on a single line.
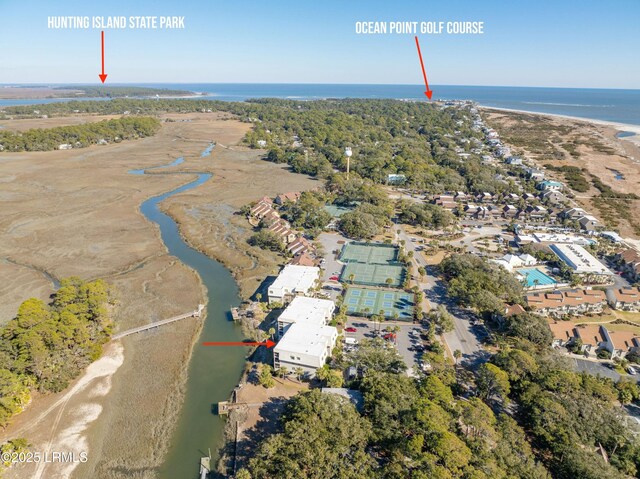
[[308, 310], [591, 334], [295, 278], [627, 295], [624, 339], [579, 259], [306, 339], [562, 330], [559, 299]]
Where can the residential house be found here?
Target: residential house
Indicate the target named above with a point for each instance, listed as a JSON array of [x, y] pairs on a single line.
[[594, 337], [303, 259], [536, 212], [589, 223], [550, 185], [528, 197], [299, 245], [509, 211], [484, 197], [552, 196], [562, 303], [471, 210], [511, 261], [514, 161], [291, 197], [572, 214], [624, 299], [461, 196], [623, 343], [564, 333], [629, 261], [535, 174], [281, 228], [262, 208]]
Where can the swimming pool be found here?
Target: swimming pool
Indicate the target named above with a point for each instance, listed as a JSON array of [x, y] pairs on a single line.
[[535, 277]]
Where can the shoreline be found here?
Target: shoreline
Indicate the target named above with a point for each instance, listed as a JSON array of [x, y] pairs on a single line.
[[620, 127]]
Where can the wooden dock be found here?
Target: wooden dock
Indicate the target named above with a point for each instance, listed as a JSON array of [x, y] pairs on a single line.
[[156, 324], [205, 467], [225, 406]]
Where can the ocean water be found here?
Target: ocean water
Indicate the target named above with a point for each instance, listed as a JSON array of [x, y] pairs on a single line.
[[622, 106]]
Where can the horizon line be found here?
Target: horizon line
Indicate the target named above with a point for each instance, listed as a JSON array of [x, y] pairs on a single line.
[[418, 85]]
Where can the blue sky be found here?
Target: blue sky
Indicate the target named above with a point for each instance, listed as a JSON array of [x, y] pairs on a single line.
[[563, 43]]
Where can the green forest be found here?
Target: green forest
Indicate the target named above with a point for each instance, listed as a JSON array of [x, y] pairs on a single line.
[[79, 136], [416, 139], [103, 91], [525, 414], [46, 346]]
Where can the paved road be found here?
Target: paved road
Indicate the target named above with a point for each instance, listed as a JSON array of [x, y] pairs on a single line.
[[466, 336]]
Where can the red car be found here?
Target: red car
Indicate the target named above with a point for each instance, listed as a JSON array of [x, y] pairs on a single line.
[[389, 336], [350, 329], [334, 278]]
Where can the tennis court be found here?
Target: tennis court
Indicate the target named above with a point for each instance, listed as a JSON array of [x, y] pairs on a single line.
[[392, 304], [373, 274], [370, 253]]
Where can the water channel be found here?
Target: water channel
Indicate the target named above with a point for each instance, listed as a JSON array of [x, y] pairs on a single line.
[[213, 371]]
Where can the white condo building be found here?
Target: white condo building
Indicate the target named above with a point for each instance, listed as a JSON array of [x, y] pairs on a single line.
[[307, 311], [293, 280], [304, 346], [580, 260]]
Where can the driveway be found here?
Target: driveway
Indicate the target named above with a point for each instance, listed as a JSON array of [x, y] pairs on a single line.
[[465, 336], [330, 243]]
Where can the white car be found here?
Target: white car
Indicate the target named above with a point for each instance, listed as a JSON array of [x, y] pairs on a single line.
[[631, 370]]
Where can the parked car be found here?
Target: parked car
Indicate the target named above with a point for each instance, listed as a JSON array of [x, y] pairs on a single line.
[[631, 370], [334, 278], [350, 329], [389, 336]]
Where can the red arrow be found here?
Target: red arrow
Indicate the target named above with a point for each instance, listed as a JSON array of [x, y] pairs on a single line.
[[103, 75], [268, 343], [429, 92]]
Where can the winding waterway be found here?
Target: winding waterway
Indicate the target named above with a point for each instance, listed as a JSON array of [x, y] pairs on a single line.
[[213, 372]]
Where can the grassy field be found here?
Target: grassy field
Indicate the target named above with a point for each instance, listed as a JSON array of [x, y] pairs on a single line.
[[76, 213]]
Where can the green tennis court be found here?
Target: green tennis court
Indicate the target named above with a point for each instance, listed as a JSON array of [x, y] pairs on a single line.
[[393, 304], [371, 253], [391, 275]]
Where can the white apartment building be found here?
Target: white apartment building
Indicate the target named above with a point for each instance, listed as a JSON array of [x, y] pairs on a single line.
[[293, 280], [308, 311]]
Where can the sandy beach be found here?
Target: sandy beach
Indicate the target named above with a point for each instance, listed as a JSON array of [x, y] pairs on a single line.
[[617, 126], [591, 145]]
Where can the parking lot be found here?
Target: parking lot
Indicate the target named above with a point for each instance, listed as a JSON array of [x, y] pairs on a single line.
[[408, 340]]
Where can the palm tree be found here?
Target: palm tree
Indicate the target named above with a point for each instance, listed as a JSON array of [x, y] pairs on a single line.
[[352, 277], [258, 297], [283, 371], [272, 331], [299, 372]]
